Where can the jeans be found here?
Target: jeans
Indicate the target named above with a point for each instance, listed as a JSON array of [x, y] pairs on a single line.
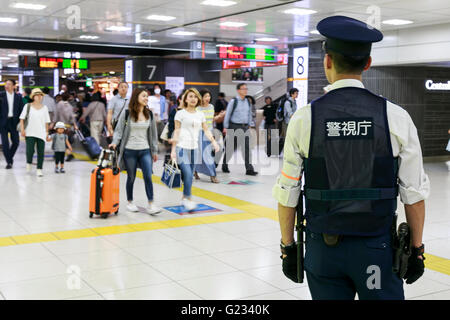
[[31, 142], [144, 158], [9, 150], [186, 159]]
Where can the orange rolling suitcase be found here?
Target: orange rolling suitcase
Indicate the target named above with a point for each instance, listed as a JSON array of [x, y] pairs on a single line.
[[105, 182]]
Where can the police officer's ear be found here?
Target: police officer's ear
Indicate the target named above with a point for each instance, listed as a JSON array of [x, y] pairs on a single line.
[[368, 64], [327, 61]]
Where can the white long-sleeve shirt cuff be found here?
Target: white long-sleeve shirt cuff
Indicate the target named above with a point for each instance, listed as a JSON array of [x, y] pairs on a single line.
[[287, 196], [410, 195]]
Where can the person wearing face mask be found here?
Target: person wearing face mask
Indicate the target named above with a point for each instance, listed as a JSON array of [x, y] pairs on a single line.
[[157, 104]]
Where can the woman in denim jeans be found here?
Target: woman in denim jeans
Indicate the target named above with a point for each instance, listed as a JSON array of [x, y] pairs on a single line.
[[136, 133], [188, 124]]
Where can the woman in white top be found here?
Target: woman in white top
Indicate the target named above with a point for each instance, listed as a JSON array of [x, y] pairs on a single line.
[[206, 154], [34, 121], [188, 124]]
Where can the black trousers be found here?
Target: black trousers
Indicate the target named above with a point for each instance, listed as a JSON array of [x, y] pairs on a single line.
[[9, 149], [244, 145]]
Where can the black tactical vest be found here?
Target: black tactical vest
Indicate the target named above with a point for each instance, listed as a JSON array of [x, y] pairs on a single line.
[[350, 174]]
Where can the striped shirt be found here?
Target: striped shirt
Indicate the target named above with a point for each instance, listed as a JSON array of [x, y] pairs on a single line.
[[209, 115]]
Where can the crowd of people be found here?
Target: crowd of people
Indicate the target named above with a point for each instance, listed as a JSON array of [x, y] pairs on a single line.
[[188, 127]]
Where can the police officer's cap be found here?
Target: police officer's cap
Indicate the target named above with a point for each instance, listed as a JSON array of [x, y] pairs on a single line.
[[348, 36]]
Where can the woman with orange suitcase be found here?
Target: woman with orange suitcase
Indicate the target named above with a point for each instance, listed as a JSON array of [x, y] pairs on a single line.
[[137, 135]]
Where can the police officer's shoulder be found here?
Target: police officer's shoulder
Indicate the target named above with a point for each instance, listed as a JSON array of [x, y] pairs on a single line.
[[397, 114]]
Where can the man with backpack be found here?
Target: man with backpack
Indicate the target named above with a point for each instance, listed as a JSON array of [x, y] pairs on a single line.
[[285, 111], [239, 116]]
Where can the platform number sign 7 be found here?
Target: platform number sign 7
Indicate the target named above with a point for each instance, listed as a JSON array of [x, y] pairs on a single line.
[[152, 69]]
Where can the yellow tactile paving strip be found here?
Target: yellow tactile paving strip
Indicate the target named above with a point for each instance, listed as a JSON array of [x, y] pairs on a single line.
[[250, 211]]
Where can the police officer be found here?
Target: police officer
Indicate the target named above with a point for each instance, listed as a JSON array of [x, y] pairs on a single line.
[[357, 151]]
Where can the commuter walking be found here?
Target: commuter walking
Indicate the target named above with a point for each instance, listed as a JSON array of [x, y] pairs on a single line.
[[64, 113], [157, 104], [26, 97], [34, 121], [290, 106], [97, 117], [206, 155], [136, 134], [220, 108], [269, 114], [11, 105], [116, 106], [60, 142], [239, 116], [188, 124], [49, 102]]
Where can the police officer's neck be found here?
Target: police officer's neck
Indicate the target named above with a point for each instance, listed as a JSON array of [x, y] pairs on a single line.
[[341, 76]]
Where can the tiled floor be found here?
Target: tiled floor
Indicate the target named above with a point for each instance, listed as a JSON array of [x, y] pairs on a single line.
[[221, 260]]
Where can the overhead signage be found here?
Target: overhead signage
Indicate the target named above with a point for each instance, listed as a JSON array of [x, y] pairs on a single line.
[[234, 64], [431, 85], [300, 74], [246, 52], [64, 63]]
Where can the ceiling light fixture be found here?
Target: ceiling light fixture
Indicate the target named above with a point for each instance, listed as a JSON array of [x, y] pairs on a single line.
[[5, 58], [267, 39], [218, 3], [89, 37], [27, 53], [160, 17], [184, 33], [14, 55], [300, 11], [397, 22], [233, 24], [146, 41], [118, 28], [29, 6], [224, 45], [8, 20], [112, 72]]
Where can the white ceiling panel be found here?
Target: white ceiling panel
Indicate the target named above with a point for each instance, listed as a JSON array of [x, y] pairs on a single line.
[[97, 15]]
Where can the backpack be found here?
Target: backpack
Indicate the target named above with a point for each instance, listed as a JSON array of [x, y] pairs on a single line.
[[235, 103], [280, 110]]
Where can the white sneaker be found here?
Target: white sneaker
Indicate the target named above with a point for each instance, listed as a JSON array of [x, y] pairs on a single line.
[[132, 207], [189, 205], [39, 173], [28, 167], [152, 209]]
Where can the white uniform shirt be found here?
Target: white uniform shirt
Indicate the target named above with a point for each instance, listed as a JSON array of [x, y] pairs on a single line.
[[414, 184], [10, 97]]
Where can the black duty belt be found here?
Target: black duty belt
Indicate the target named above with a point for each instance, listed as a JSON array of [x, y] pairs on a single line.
[[351, 194]]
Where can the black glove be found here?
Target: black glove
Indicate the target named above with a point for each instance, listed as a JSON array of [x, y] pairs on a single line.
[[416, 267], [290, 262]]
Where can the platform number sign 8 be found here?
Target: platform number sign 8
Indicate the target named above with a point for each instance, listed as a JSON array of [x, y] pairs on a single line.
[[300, 74], [300, 67]]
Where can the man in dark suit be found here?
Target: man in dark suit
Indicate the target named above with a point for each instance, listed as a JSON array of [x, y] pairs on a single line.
[[11, 106]]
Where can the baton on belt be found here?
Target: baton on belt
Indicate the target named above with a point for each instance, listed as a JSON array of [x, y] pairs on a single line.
[[300, 228]]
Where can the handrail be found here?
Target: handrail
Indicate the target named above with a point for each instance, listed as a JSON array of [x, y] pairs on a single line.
[[264, 91]]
